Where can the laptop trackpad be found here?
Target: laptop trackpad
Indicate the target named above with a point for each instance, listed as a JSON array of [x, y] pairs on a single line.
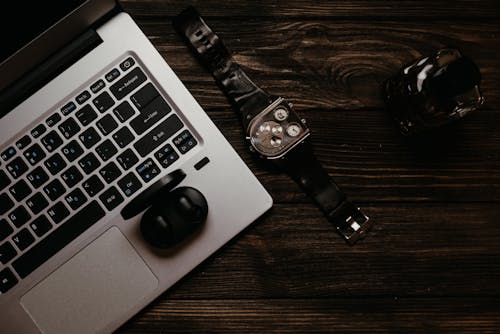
[[94, 288]]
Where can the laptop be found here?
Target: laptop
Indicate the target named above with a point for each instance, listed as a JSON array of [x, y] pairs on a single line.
[[91, 117]]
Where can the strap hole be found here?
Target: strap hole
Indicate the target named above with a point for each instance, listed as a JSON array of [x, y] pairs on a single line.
[[198, 33]]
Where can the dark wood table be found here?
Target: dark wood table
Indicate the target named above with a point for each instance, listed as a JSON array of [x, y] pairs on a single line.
[[432, 261]]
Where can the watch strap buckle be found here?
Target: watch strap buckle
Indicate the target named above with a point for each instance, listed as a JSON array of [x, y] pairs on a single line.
[[350, 222]]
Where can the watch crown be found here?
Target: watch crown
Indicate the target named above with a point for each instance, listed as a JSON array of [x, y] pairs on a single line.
[[303, 120], [252, 149], [290, 104]]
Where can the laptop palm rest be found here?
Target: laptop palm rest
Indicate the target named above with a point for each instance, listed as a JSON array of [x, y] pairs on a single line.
[[97, 286]]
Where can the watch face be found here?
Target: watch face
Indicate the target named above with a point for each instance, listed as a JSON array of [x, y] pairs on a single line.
[[276, 130]]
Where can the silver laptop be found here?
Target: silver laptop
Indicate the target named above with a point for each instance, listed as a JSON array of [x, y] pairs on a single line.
[[78, 142]]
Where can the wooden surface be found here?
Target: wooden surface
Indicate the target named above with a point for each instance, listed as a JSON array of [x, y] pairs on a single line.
[[432, 262]]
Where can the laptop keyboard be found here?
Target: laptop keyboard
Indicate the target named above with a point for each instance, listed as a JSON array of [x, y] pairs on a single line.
[[80, 163]]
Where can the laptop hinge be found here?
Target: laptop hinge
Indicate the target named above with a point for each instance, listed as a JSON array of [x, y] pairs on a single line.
[[20, 90]]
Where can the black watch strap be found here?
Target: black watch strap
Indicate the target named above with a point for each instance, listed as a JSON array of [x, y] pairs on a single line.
[[248, 98]]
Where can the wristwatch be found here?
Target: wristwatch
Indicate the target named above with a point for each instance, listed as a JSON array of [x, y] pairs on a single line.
[[273, 128]]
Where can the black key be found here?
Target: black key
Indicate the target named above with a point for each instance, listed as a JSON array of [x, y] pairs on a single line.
[[23, 239], [53, 120], [5, 203], [72, 151], [19, 216], [52, 141], [93, 186], [89, 137], [106, 150], [127, 159], [184, 141], [83, 97], [58, 212], [38, 130], [37, 203], [7, 252], [40, 226], [112, 75], [129, 184], [69, 128], [86, 115], [166, 156], [5, 230], [68, 108], [103, 102], [128, 83], [150, 115], [144, 95], [123, 137], [110, 172], [55, 164], [76, 199], [54, 189], [7, 280], [127, 64], [22, 143], [180, 138], [124, 111], [97, 86], [158, 135], [4, 180], [34, 154], [20, 190], [107, 124], [148, 170], [111, 198], [71, 176], [58, 239], [89, 163], [8, 153], [17, 167], [37, 177]]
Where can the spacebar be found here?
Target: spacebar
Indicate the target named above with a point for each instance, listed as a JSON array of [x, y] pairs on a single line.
[[56, 241]]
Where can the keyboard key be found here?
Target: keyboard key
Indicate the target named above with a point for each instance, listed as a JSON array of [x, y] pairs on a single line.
[[129, 184], [93, 186], [52, 141], [110, 172], [128, 83], [5, 230], [97, 86], [8, 153], [58, 212], [23, 239], [150, 115], [107, 125], [127, 64], [19, 216], [58, 239], [148, 170], [124, 111], [53, 120], [4, 180], [106, 150], [55, 164], [83, 97], [22, 143], [20, 190], [144, 95], [111, 198], [184, 142], [89, 163], [69, 128], [180, 138], [7, 252], [5, 203], [68, 108], [54, 189], [127, 159], [40, 226], [103, 102], [158, 135], [7, 280], [112, 75], [37, 177], [89, 137], [34, 154], [72, 151], [123, 137], [86, 115], [38, 130], [76, 199], [17, 167], [166, 156], [71, 176], [37, 203]]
